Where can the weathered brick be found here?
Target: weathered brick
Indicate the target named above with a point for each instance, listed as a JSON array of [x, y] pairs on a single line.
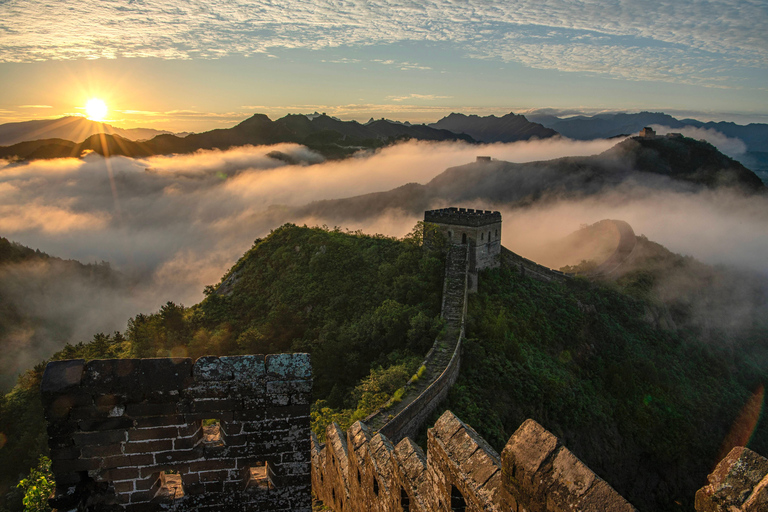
[[150, 409], [289, 387], [102, 451], [122, 461], [62, 376], [91, 425], [288, 366], [148, 446], [160, 421], [179, 456], [164, 374], [211, 368], [124, 487], [153, 433], [99, 438], [211, 465], [247, 368]]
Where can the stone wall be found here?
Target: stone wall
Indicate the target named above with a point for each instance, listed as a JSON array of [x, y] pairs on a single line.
[[530, 268], [229, 433], [358, 471], [442, 363]]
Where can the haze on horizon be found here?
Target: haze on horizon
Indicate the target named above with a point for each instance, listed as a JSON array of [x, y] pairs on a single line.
[[182, 66]]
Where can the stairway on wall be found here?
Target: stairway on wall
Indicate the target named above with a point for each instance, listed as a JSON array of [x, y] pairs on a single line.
[[438, 359]]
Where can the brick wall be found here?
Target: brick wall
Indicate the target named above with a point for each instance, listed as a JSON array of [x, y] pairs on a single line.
[[228, 433]]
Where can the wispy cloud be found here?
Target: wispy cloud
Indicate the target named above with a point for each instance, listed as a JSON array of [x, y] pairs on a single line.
[[681, 41], [35, 106], [414, 96]]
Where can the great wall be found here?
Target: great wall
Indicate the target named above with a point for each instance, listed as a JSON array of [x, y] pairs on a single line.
[[232, 433]]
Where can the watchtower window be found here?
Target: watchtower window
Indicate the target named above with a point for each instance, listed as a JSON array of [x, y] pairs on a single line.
[[497, 233], [375, 486], [359, 478], [405, 500], [481, 236], [168, 487], [450, 235], [458, 504], [257, 476], [489, 236], [463, 238]]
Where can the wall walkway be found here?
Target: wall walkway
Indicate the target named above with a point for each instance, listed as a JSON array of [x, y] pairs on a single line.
[[442, 363]]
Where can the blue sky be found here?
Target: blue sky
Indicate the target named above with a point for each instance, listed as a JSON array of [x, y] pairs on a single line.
[[193, 65]]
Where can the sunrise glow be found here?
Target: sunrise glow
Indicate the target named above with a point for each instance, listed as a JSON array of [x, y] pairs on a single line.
[[96, 109]]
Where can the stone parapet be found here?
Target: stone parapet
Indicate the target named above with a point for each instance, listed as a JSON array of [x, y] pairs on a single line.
[[739, 483], [462, 216], [460, 471]]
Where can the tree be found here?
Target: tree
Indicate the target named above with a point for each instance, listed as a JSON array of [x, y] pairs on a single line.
[[38, 486]]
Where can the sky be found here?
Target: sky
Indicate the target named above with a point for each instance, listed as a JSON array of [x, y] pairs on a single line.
[[191, 65]]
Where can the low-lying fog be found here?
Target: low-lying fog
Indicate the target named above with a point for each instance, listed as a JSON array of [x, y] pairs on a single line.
[[174, 224]]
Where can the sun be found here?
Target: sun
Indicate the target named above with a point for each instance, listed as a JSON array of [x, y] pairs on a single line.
[[96, 109]]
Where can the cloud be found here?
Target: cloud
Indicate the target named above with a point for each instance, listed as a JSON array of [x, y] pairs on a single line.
[[414, 96], [682, 41], [730, 146], [173, 224], [35, 106]]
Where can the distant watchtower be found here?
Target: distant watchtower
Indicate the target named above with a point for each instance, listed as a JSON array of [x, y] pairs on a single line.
[[480, 229], [647, 133]]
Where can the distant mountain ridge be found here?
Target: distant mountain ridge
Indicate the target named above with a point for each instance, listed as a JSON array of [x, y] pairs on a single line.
[[659, 163], [331, 137], [605, 126], [71, 128], [508, 128]]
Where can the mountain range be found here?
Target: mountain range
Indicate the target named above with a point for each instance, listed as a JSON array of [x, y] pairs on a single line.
[[334, 138], [661, 163], [507, 128], [329, 136], [71, 128]]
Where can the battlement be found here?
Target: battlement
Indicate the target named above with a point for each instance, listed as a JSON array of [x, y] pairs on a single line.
[[148, 434], [462, 217]]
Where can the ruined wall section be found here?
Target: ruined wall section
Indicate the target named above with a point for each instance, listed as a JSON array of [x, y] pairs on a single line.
[[459, 472], [129, 434], [530, 268], [739, 483]]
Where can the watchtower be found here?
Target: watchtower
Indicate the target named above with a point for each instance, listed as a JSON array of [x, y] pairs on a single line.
[[479, 229]]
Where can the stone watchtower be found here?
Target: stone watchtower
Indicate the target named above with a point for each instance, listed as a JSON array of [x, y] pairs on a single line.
[[480, 230]]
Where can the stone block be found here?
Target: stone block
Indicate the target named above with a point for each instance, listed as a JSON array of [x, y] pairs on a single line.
[[62, 376], [212, 368], [247, 368], [288, 366], [166, 374]]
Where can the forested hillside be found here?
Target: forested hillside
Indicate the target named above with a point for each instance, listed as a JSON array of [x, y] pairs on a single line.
[[649, 409], [369, 305], [649, 406]]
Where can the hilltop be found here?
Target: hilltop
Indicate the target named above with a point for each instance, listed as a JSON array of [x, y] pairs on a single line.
[[507, 128]]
